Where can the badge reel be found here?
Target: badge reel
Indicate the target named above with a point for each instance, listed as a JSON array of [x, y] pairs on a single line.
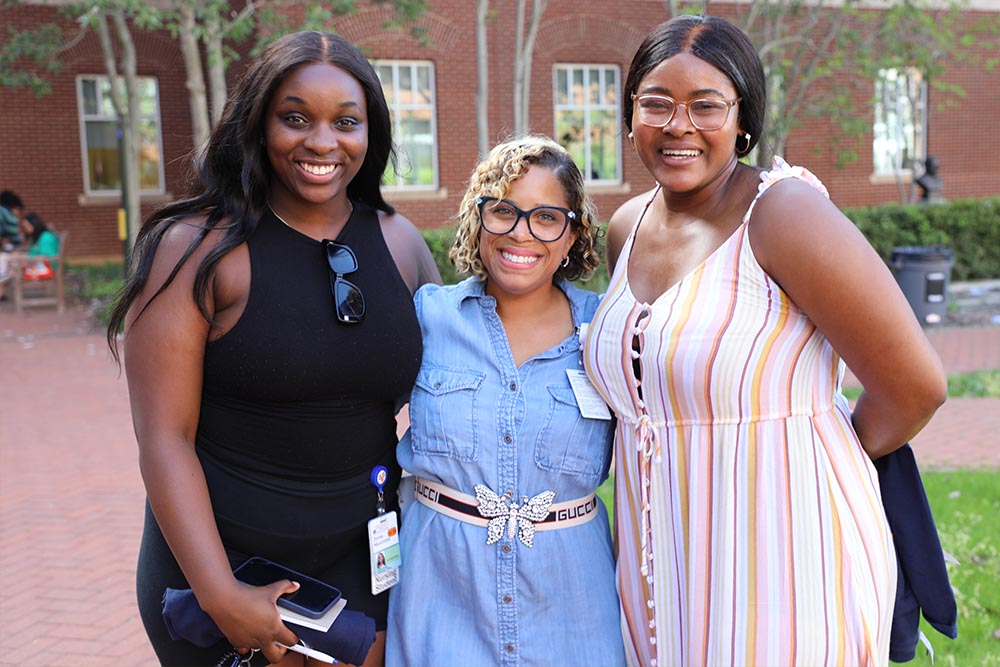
[[383, 539]]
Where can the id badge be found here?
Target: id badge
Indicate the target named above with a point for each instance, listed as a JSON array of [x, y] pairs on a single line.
[[592, 406], [383, 542]]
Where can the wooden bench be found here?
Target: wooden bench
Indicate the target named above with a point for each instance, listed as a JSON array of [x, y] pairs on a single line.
[[48, 292]]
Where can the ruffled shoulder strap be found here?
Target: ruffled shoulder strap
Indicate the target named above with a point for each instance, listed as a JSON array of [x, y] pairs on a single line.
[[780, 170]]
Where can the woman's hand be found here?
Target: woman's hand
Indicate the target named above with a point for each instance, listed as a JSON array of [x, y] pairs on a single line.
[[248, 617]]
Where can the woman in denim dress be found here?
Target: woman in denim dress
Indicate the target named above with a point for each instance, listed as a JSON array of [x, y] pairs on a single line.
[[506, 552]]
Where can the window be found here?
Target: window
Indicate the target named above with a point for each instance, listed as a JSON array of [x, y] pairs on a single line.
[[99, 133], [900, 120], [587, 119], [409, 90]]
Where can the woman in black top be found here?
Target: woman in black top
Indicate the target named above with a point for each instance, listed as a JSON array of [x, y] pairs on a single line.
[[263, 386]]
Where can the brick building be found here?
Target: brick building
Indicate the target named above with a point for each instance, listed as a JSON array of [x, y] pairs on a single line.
[[58, 151]]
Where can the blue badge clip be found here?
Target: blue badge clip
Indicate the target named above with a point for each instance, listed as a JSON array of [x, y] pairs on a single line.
[[379, 476]]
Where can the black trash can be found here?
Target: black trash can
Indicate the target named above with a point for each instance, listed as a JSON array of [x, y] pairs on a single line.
[[923, 273]]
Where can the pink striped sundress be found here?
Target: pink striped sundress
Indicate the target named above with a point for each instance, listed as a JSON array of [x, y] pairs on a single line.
[[749, 525]]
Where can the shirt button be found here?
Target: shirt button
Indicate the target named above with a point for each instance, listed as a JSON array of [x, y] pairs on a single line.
[[513, 386], [508, 439], [510, 648], [507, 599], [506, 548], [437, 385]]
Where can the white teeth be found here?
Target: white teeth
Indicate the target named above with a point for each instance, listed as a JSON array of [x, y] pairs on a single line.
[[519, 259], [675, 153], [318, 169]]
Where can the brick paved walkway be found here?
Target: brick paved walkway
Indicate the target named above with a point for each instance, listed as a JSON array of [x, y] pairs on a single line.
[[71, 497]]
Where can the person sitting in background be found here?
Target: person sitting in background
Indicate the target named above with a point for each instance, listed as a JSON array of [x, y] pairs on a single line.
[[41, 242], [11, 209], [39, 236]]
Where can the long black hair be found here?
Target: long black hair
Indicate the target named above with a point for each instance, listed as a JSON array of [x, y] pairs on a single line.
[[233, 174], [717, 42], [38, 227]]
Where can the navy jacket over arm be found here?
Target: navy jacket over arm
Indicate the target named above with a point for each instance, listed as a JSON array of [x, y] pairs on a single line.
[[923, 584]]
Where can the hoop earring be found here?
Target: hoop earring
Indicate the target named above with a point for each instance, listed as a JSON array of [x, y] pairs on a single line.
[[746, 149], [565, 262]]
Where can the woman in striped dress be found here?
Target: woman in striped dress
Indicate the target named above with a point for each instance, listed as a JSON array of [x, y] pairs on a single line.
[[750, 528]]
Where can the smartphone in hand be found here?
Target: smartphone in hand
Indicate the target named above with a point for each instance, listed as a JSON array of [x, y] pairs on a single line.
[[313, 599]]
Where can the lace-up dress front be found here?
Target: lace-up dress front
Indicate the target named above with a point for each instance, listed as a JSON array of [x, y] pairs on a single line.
[[750, 528]]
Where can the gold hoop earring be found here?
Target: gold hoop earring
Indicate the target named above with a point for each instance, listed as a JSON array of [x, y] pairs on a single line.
[[746, 149]]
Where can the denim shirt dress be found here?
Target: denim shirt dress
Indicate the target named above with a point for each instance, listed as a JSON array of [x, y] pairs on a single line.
[[476, 418]]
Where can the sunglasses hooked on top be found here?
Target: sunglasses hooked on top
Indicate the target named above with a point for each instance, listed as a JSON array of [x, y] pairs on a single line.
[[545, 223], [347, 298]]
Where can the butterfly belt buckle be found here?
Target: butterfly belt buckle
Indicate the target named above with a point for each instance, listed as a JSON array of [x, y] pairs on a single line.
[[509, 517]]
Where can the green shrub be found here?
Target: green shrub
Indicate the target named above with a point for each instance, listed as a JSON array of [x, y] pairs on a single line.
[[98, 285], [970, 227], [439, 241]]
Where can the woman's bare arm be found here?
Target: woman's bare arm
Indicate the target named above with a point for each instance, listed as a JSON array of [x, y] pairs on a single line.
[[832, 273], [164, 352]]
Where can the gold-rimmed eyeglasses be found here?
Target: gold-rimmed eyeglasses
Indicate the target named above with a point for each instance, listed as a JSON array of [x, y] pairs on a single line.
[[705, 113]]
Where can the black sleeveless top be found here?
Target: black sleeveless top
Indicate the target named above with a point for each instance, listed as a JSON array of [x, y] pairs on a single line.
[[292, 393]]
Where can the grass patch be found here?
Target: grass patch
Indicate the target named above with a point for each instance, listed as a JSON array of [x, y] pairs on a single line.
[[979, 384], [852, 393], [966, 505]]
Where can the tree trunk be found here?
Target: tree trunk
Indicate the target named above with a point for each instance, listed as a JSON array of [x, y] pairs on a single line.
[[483, 76], [524, 46], [538, 8], [195, 82], [519, 67], [216, 68], [132, 141], [126, 110]]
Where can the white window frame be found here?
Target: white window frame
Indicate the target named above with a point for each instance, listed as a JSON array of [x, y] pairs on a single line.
[[899, 123], [85, 117], [396, 109], [586, 107]]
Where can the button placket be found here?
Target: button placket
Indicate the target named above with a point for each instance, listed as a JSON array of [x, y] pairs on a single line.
[[508, 395]]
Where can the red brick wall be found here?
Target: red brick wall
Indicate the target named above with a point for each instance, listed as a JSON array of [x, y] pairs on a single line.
[[960, 133], [40, 145], [40, 151]]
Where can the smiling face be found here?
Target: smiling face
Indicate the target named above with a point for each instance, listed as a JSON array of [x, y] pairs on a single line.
[[518, 264], [682, 158], [316, 134]]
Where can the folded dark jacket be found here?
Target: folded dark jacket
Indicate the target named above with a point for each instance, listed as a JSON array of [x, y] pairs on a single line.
[[348, 639], [923, 585]]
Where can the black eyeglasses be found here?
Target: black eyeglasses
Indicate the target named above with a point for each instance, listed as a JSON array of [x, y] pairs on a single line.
[[545, 223], [347, 297]]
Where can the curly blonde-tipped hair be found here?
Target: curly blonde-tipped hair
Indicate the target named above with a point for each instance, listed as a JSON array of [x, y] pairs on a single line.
[[506, 163]]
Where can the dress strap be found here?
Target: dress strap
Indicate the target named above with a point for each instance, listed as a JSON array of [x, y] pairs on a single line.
[[626, 250], [649, 202], [780, 170]]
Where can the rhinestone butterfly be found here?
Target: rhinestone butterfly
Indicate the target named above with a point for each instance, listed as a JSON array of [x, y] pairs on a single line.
[[511, 517]]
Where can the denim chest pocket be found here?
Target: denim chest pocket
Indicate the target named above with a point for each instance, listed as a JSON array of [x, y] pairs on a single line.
[[443, 413], [569, 442]]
